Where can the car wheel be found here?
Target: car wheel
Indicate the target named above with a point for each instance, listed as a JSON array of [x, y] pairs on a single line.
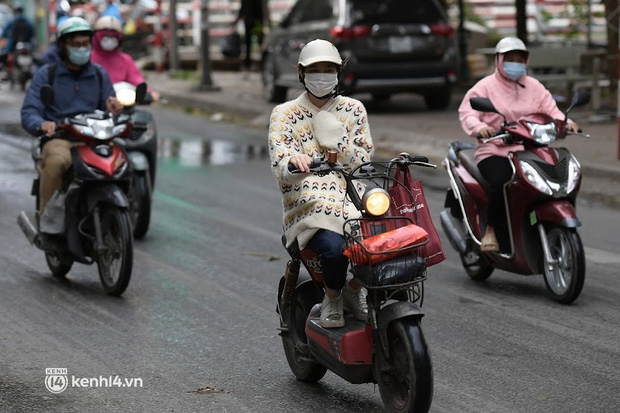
[[439, 100], [272, 92]]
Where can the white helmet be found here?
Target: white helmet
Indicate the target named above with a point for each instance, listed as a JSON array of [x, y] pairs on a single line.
[[108, 23], [319, 51], [510, 44]]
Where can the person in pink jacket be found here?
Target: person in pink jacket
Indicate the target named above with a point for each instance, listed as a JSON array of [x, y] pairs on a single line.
[[107, 53], [514, 94]]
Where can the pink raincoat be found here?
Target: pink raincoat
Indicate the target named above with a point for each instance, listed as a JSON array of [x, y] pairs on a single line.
[[120, 66], [513, 99]]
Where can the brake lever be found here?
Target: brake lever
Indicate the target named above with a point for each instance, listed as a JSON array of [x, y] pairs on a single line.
[[579, 133], [496, 137]]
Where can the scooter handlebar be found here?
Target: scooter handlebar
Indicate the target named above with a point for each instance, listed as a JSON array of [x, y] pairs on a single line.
[[579, 133], [415, 160], [317, 165]]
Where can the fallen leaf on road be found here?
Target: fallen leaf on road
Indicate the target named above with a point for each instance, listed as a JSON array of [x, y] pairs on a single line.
[[207, 390]]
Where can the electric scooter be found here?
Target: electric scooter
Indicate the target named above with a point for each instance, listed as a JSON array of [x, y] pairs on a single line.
[[388, 348]]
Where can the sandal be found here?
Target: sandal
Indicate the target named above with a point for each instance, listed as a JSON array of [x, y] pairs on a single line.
[[489, 244]]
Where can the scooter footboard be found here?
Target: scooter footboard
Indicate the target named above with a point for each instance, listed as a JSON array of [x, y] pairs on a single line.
[[560, 212]]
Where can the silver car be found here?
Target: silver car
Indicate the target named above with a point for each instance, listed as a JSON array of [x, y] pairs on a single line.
[[390, 46]]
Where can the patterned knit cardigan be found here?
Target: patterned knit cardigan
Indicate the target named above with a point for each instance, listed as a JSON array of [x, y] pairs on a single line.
[[298, 127]]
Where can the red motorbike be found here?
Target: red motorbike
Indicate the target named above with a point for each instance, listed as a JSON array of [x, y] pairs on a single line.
[[87, 220], [540, 235], [389, 347]]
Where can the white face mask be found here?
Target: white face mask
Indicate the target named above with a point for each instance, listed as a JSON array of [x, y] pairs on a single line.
[[109, 43], [321, 85]]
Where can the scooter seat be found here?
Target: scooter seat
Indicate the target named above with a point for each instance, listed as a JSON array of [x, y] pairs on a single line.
[[467, 158]]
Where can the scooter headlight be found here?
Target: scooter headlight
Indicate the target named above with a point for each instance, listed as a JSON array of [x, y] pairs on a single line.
[[84, 130], [119, 129], [535, 179], [574, 174], [545, 133], [126, 97], [376, 201]]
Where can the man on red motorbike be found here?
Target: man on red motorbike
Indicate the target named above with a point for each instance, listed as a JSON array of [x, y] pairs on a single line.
[[514, 94], [79, 87], [315, 208]]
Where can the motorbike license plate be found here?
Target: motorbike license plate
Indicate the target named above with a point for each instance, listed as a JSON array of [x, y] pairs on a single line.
[[24, 60], [400, 44]]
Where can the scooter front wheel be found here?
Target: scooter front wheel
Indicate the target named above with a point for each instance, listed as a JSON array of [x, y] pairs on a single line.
[[405, 374], [115, 261], [295, 341], [566, 274]]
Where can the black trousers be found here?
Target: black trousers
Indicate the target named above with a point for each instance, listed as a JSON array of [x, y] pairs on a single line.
[[497, 171], [252, 28]]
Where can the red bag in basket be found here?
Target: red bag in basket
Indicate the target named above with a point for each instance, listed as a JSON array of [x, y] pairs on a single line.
[[417, 210], [396, 239]]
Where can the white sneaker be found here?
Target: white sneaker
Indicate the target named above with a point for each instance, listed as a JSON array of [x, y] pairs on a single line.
[[332, 312], [356, 302]]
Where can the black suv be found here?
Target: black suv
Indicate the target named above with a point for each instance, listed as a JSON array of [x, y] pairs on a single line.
[[389, 46]]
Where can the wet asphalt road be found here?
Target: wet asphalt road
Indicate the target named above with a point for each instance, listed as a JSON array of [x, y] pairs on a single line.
[[197, 327]]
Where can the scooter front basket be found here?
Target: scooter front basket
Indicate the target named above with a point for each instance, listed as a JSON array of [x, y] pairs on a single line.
[[390, 258]]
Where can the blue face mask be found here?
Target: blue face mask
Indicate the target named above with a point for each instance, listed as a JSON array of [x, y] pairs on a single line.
[[514, 70], [79, 56]]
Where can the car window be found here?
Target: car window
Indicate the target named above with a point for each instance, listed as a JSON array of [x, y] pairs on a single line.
[[369, 12], [310, 10]]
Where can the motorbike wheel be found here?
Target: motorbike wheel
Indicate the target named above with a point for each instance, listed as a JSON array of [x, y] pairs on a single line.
[[405, 375], [140, 200], [565, 279], [59, 268], [295, 341], [23, 80], [475, 266], [115, 262]]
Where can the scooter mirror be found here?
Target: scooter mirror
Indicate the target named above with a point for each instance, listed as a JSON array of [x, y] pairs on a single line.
[[140, 93], [580, 98], [482, 105], [47, 96]]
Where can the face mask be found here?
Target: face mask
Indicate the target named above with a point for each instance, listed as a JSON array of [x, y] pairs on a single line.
[[79, 56], [514, 70], [108, 43], [321, 85]]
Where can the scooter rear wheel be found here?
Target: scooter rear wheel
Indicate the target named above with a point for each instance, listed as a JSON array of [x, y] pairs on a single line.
[[474, 265], [295, 342], [405, 375], [57, 266], [565, 279], [116, 261]]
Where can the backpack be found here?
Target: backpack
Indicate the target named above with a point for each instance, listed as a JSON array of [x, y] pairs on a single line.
[[51, 75], [21, 31]]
